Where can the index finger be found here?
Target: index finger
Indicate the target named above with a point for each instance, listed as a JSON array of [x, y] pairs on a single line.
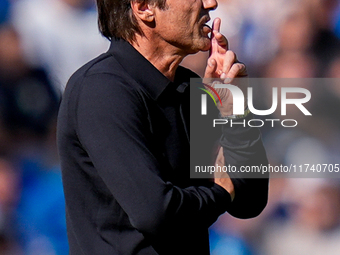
[[219, 42], [216, 25]]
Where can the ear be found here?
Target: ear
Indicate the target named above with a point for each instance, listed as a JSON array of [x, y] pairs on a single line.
[[143, 11]]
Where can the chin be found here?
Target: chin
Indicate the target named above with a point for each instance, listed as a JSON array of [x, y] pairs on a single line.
[[203, 44], [206, 48], [206, 45]]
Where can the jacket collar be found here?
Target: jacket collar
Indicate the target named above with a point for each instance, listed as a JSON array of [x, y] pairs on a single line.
[[139, 68]]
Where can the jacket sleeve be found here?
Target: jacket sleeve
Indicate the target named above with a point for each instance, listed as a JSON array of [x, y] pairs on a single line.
[[113, 128], [242, 146]]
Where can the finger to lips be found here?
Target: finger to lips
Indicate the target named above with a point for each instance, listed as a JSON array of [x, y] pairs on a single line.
[[216, 25], [215, 29], [221, 39]]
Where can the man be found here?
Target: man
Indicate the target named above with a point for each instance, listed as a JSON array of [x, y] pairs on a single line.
[[124, 142]]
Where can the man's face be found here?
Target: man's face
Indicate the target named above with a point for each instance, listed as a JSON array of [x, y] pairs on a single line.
[[183, 24]]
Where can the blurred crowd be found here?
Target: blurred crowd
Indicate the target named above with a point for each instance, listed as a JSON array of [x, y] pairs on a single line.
[[42, 42]]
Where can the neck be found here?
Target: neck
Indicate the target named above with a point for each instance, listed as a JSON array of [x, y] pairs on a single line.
[[165, 57]]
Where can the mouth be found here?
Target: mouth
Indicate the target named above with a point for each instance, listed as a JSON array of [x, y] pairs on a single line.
[[206, 29]]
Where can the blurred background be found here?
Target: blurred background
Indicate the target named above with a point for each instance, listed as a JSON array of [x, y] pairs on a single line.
[[42, 42]]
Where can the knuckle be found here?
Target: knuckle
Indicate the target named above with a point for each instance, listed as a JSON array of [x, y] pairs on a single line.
[[240, 66], [231, 54], [235, 68], [238, 69]]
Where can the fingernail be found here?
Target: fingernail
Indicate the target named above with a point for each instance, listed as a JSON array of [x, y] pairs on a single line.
[[223, 76], [227, 80]]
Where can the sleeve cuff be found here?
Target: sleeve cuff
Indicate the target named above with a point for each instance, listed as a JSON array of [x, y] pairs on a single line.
[[240, 135]]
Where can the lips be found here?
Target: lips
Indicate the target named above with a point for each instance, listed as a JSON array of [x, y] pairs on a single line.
[[205, 28]]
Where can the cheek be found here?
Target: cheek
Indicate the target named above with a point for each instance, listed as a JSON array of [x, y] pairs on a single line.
[[175, 28], [180, 18]]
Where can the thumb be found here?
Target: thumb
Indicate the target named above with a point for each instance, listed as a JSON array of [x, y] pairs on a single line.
[[210, 69]]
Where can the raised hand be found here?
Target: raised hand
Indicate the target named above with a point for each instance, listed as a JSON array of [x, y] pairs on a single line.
[[223, 65], [222, 62]]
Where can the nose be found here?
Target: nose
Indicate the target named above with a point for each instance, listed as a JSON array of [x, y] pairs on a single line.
[[210, 4]]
